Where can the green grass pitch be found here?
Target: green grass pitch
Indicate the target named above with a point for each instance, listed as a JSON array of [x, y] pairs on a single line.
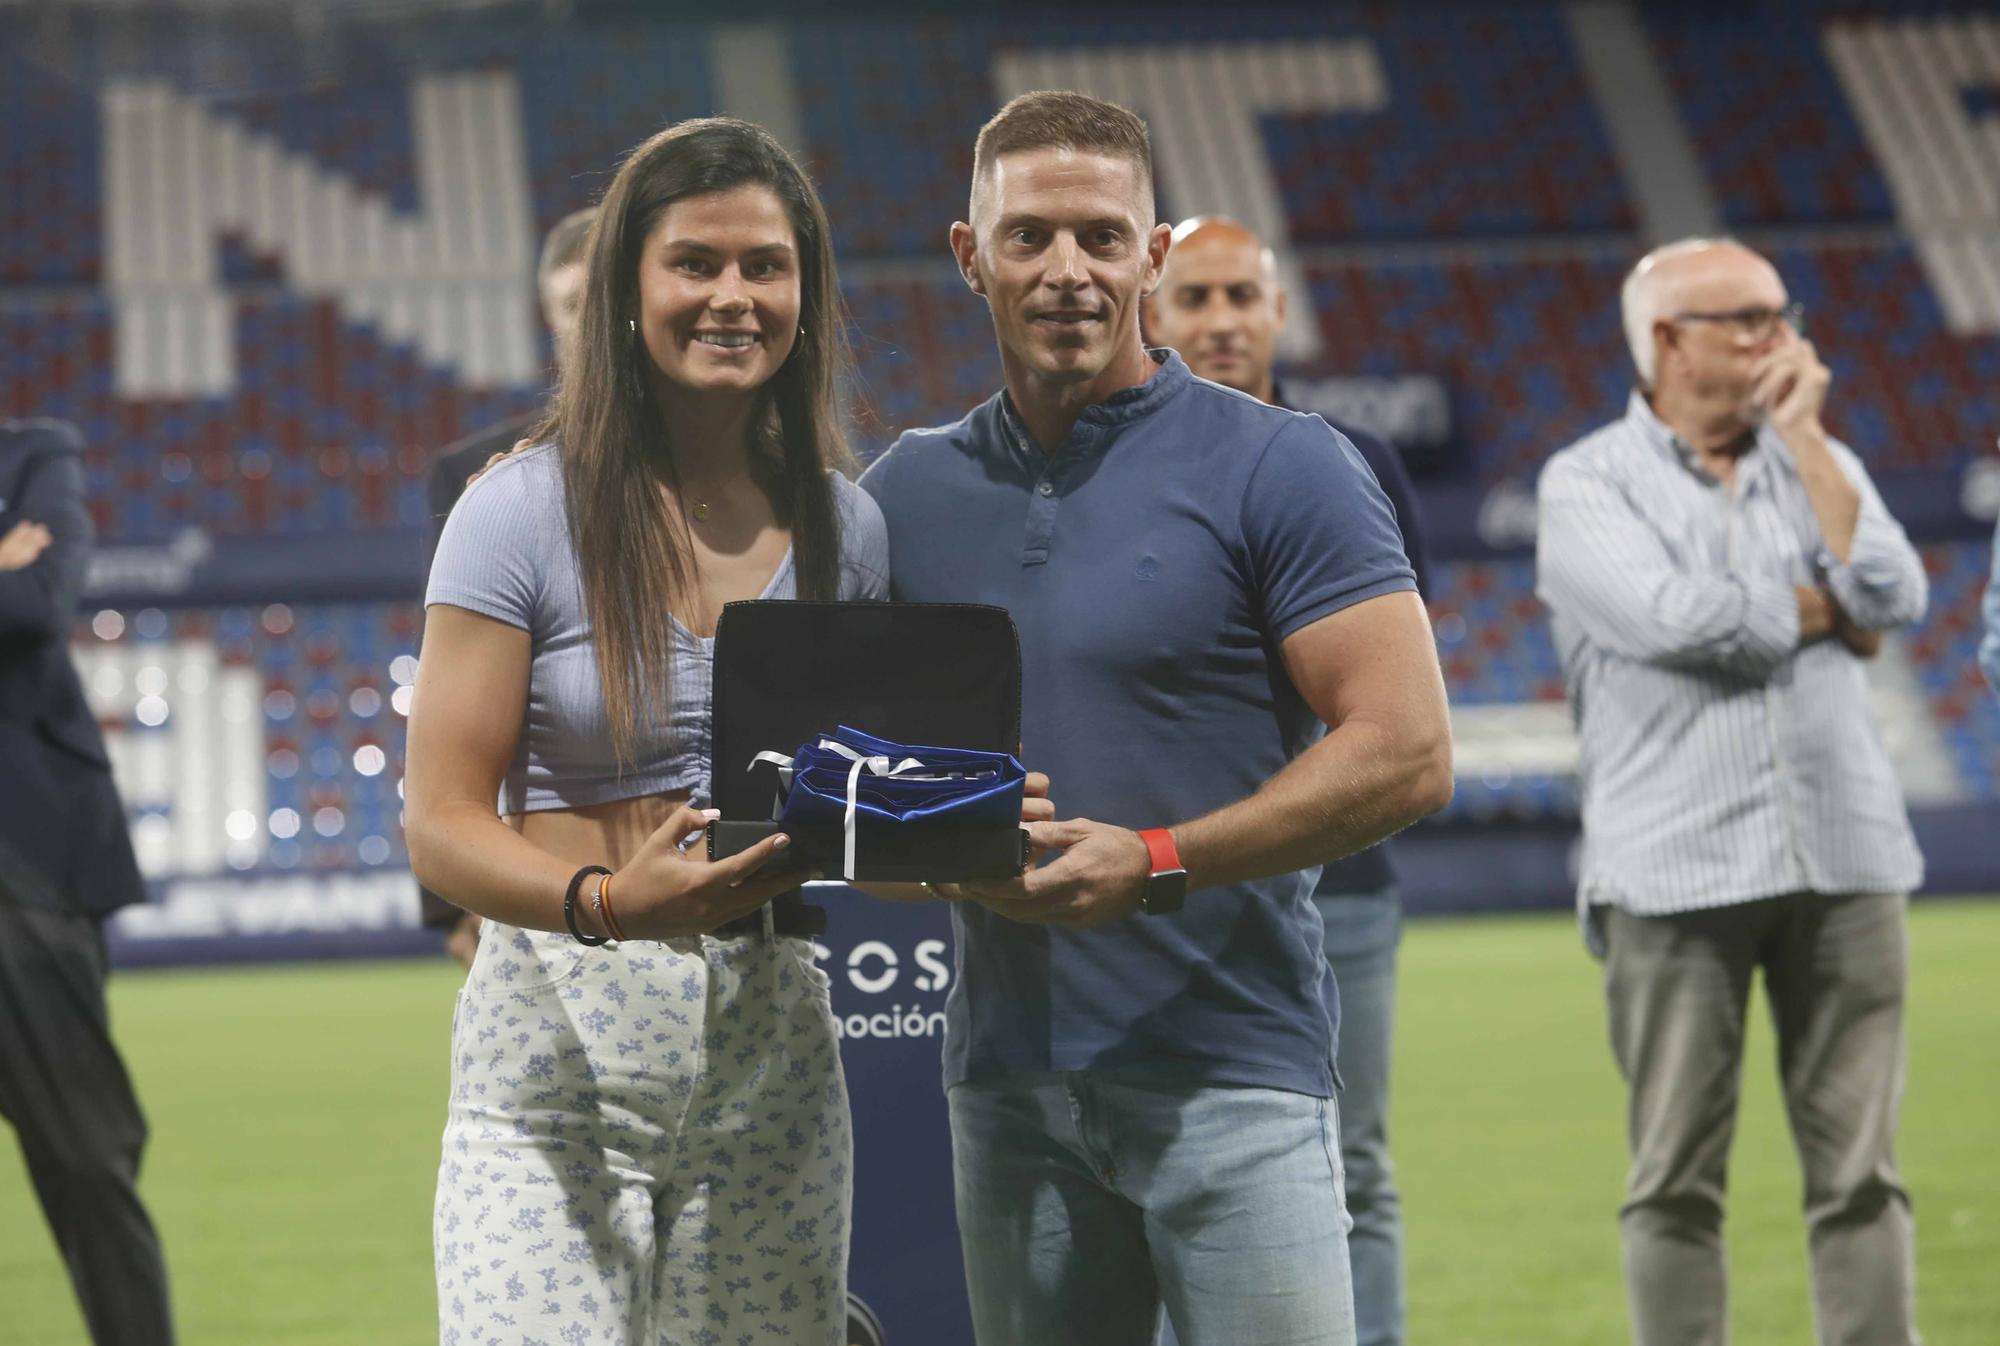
[[296, 1114]]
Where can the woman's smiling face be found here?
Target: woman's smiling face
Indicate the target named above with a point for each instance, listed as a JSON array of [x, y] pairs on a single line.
[[719, 293]]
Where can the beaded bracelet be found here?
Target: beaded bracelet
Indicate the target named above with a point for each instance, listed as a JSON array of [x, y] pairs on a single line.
[[606, 917], [569, 906]]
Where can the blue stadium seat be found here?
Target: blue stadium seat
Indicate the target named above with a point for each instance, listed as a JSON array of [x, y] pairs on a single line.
[[1775, 132], [1945, 648], [328, 727]]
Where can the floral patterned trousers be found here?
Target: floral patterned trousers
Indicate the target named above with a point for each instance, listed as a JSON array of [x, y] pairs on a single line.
[[647, 1145]]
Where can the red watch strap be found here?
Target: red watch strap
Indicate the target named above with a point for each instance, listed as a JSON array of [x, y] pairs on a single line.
[[1160, 844]]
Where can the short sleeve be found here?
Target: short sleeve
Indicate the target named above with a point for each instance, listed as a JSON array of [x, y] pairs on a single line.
[[492, 556], [1394, 479], [1319, 532], [864, 543]]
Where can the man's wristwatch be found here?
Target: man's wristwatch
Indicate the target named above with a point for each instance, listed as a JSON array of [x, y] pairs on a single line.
[[1166, 886]]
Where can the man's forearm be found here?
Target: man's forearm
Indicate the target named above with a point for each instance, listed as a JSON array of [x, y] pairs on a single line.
[[1359, 784], [1836, 503], [1818, 615]]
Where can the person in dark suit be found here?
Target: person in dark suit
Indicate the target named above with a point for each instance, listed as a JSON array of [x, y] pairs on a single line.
[[1220, 305], [559, 282], [66, 863]]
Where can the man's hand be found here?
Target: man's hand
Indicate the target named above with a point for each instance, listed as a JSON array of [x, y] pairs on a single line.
[[462, 940], [1816, 612], [1790, 386], [1098, 877], [1036, 806], [1820, 616], [1860, 642], [23, 544]]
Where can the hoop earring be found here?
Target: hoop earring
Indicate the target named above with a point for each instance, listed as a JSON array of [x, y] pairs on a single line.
[[632, 325]]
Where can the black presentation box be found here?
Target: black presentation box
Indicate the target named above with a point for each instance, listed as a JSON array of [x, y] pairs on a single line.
[[938, 674]]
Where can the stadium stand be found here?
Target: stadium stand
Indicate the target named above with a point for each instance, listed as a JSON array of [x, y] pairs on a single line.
[[897, 325], [890, 112], [163, 283], [48, 177], [270, 258], [1489, 133], [1911, 394], [1799, 159], [316, 749], [1943, 649], [592, 94], [255, 738], [327, 432], [1530, 349]]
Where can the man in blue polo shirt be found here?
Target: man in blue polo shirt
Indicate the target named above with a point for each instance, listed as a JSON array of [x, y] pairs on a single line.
[[1141, 1087]]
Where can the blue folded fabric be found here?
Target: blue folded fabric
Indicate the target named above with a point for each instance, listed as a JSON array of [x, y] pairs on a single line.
[[839, 777]]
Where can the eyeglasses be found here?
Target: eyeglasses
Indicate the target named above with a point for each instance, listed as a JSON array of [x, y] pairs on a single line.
[[1752, 325]]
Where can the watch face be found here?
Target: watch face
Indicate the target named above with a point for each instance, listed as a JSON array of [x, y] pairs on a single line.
[[1165, 891]]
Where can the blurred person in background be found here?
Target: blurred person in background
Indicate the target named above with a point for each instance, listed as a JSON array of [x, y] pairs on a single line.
[[66, 863], [1713, 563], [648, 1132], [559, 284], [1220, 305], [1989, 646], [1228, 678]]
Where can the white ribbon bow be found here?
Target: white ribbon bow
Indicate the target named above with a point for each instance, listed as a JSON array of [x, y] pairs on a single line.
[[875, 766]]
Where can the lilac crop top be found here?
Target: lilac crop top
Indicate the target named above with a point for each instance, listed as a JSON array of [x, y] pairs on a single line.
[[506, 554]]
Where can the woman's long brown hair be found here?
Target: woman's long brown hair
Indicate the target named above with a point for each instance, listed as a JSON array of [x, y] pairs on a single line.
[[632, 553]]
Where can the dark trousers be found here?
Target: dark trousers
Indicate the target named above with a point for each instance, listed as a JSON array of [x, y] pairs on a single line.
[[65, 1090], [1679, 989]]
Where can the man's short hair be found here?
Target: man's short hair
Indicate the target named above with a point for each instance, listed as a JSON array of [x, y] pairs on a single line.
[[1059, 119], [564, 245]]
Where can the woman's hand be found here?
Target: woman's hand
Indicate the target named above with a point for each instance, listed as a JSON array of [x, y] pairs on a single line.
[[665, 892]]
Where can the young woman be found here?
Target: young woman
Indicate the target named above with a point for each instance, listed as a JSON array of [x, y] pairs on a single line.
[[648, 1138]]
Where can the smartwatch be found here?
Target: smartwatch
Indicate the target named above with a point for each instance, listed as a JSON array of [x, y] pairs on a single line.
[[1166, 886]]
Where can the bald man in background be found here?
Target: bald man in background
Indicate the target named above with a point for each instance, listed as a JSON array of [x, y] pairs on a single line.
[[1220, 305]]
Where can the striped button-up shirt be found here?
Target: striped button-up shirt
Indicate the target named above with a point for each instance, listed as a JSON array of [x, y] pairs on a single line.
[[1721, 761]]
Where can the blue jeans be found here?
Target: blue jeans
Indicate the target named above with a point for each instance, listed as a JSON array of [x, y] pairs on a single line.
[[1362, 932], [1086, 1201]]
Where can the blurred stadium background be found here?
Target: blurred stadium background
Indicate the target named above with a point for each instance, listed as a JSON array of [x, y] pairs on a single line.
[[269, 257]]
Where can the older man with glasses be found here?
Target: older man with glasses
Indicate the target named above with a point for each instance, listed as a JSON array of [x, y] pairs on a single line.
[[1716, 567]]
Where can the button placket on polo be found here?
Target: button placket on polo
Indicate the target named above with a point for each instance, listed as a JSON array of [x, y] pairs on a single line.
[[1047, 497], [1041, 520]]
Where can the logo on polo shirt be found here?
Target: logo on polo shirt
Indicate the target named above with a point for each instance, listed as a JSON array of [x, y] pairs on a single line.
[[1148, 567]]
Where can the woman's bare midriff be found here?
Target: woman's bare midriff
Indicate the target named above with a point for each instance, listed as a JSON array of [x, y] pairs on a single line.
[[598, 834]]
